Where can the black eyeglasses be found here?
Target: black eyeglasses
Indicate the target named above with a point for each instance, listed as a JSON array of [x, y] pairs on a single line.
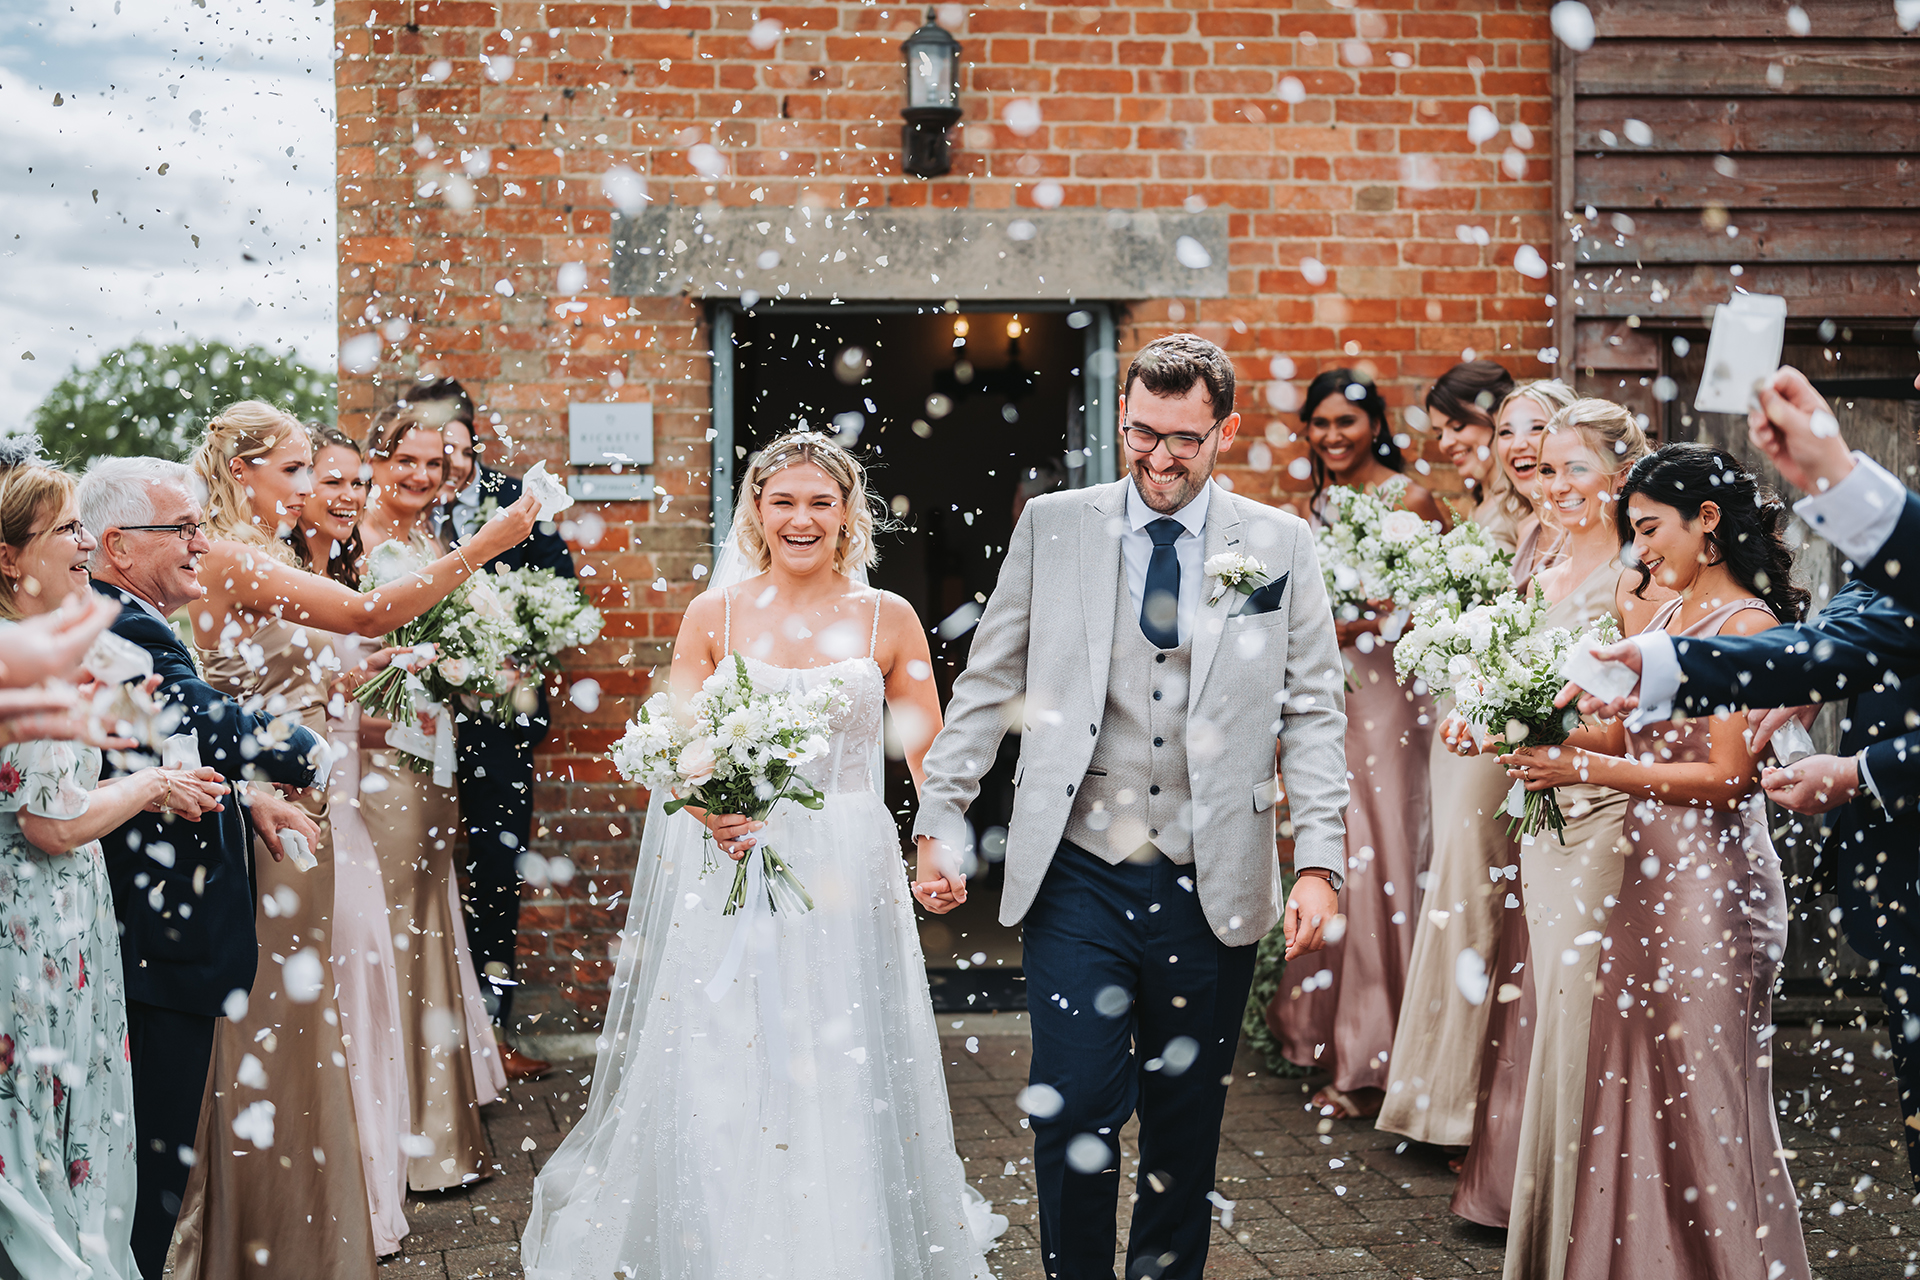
[[187, 530], [1183, 445]]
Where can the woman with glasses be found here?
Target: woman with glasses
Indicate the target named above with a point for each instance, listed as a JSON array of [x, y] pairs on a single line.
[[263, 631], [453, 1064], [1340, 1017], [66, 1084]]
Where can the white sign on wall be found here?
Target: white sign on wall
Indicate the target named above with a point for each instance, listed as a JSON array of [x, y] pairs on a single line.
[[602, 435]]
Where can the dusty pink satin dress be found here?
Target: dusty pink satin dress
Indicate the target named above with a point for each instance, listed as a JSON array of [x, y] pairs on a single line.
[[1336, 1011], [1678, 1171]]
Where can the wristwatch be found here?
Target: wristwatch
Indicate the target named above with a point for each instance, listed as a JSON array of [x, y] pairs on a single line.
[[1318, 873]]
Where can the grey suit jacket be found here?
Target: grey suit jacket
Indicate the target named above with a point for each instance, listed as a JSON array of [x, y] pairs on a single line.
[[1041, 654]]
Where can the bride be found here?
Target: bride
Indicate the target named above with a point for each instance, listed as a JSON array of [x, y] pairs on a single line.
[[791, 1122]]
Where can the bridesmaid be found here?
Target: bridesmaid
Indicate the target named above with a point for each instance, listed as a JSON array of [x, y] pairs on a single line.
[[1484, 1193], [363, 956], [261, 635], [66, 1101], [1435, 1067], [453, 1066], [1679, 1168], [1568, 889], [1340, 1017]]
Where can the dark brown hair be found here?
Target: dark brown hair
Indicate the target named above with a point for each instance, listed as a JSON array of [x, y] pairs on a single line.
[[1471, 391], [1170, 366], [340, 565]]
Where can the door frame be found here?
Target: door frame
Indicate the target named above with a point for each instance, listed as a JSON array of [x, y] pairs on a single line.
[[1099, 364]]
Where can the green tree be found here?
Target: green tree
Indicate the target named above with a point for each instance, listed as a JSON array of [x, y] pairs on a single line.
[[148, 400]]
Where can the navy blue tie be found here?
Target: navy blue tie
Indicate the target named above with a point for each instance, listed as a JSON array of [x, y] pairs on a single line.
[[1160, 603]]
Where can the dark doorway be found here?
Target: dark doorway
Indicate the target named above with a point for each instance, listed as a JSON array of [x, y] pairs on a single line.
[[961, 416]]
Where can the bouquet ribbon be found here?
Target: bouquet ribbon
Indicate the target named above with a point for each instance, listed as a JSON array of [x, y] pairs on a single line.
[[755, 929], [437, 749]]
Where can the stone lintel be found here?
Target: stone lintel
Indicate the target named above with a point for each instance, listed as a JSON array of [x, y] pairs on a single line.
[[904, 254]]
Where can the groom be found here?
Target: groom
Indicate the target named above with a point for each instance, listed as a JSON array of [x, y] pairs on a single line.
[[1156, 698]]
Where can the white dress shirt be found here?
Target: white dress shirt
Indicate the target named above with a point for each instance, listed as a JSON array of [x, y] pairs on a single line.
[[1857, 515], [1136, 549]]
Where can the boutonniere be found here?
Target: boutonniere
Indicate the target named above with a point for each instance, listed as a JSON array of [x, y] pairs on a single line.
[[1232, 571]]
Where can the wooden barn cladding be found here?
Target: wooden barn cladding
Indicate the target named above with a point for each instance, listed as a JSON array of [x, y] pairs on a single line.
[[1704, 146]]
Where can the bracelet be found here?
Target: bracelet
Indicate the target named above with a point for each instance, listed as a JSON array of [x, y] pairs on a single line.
[[166, 799], [461, 552]]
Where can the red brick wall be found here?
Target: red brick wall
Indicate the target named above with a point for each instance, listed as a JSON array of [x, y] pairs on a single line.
[[1143, 104]]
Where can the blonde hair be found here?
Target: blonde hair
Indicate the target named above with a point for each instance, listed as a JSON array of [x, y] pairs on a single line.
[[245, 431], [1609, 430], [27, 490], [1550, 396], [856, 549]]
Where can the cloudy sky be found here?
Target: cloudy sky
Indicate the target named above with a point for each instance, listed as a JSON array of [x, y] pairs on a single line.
[[129, 128]]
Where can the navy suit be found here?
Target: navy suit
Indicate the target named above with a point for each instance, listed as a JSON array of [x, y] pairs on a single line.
[[183, 892], [1896, 569], [496, 783], [1870, 856]]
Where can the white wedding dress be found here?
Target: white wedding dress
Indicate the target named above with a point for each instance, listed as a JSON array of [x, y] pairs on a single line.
[[797, 1127]]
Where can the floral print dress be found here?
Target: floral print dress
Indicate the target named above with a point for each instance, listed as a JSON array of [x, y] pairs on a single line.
[[66, 1086]]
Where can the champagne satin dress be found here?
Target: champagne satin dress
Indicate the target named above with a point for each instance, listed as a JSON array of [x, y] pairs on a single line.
[[1569, 891], [278, 1189], [453, 1064], [363, 964], [1435, 1068], [1680, 1171], [1336, 1011]]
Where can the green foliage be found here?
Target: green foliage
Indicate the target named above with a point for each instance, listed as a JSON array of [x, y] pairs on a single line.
[[148, 400], [1269, 967]]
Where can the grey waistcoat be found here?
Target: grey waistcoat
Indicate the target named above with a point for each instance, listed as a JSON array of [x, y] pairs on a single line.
[[1135, 800]]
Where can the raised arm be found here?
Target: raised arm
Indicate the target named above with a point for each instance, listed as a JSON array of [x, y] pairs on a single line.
[[1312, 725], [976, 719], [1859, 639], [261, 583]]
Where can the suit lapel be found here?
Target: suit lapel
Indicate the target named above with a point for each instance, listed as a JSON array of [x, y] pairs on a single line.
[[1101, 522], [129, 604], [1224, 533]]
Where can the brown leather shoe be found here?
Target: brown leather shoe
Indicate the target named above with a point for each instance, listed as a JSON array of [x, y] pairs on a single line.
[[522, 1066]]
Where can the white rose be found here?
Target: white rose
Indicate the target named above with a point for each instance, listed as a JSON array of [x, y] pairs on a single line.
[[1401, 528], [456, 671], [696, 762]]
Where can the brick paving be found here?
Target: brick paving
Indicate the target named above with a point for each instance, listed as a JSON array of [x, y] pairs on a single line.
[[1312, 1197]]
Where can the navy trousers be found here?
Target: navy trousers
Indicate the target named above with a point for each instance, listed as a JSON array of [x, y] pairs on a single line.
[[171, 1053], [496, 807], [1880, 911], [1135, 1005]]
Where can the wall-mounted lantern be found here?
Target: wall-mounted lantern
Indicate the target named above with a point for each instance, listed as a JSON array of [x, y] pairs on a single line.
[[933, 99]]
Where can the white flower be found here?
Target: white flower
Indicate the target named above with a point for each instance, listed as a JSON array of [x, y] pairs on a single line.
[[1402, 527], [455, 671], [696, 762]]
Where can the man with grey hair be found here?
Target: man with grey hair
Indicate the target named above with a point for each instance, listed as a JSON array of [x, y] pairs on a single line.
[[182, 890]]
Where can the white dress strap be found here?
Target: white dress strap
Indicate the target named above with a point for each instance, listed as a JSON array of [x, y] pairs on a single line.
[[726, 633], [873, 641]]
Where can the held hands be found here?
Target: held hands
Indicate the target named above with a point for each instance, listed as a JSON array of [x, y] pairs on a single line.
[[732, 832], [1543, 767], [1813, 785], [189, 794], [1312, 909], [1627, 654], [1797, 431], [934, 887]]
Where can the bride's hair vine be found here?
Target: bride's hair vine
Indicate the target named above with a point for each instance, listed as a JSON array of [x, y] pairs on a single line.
[[856, 549]]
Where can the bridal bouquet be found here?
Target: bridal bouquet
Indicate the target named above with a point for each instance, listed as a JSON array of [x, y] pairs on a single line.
[[1502, 665], [460, 648], [1458, 569], [741, 754], [551, 611], [1367, 547]]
